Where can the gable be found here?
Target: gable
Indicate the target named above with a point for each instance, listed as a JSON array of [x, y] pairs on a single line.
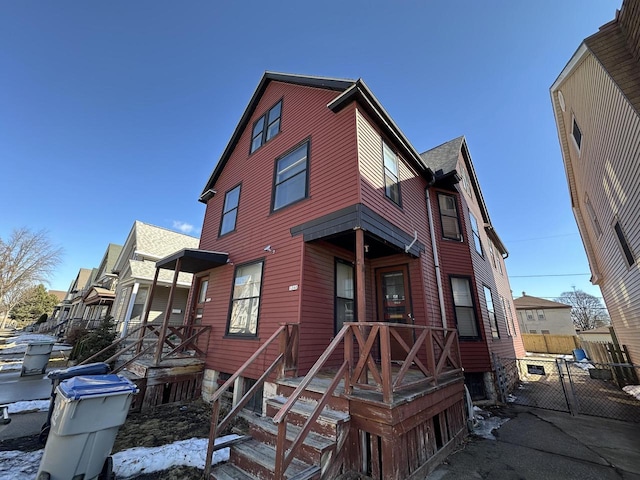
[[250, 114], [345, 93]]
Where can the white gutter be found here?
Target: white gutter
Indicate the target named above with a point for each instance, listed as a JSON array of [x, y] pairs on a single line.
[[434, 247]]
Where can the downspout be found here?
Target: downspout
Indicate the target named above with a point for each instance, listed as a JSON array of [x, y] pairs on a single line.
[[436, 262]]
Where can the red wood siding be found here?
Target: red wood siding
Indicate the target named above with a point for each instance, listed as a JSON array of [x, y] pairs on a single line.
[[486, 274], [332, 185], [455, 259], [411, 217]]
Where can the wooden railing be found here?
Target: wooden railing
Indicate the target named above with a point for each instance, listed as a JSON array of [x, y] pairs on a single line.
[[373, 371], [187, 335], [287, 335]]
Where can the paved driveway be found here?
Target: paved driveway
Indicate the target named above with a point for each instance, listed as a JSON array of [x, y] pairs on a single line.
[[542, 444]]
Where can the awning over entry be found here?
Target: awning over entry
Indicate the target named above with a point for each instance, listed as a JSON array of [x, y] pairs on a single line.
[[193, 260]]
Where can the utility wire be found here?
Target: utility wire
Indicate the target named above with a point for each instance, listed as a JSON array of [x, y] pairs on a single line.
[[550, 275]]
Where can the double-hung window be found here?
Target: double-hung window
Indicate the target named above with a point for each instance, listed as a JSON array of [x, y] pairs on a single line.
[[476, 233], [266, 127], [463, 304], [291, 181], [345, 294], [245, 300], [449, 217], [491, 312], [230, 210], [391, 176]]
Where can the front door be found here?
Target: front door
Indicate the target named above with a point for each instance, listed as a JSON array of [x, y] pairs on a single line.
[[394, 304], [202, 284]]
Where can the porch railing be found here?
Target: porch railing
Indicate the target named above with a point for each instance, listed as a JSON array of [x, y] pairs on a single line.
[[182, 338], [287, 335], [434, 353]]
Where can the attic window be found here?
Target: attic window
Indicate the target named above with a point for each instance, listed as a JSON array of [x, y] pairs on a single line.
[[577, 134], [266, 127]]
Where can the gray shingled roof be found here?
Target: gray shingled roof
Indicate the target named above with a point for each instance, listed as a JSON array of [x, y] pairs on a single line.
[[161, 242], [527, 301], [444, 157], [145, 270]]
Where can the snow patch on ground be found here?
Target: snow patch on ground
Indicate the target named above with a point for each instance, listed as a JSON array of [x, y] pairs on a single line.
[[485, 422], [583, 364], [633, 390], [19, 344], [29, 406], [17, 465]]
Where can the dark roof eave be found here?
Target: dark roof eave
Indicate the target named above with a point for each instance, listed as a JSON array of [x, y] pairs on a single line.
[[360, 92], [193, 260]]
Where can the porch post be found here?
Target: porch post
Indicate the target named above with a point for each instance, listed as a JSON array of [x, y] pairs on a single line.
[[360, 277], [127, 315], [167, 313], [145, 319]]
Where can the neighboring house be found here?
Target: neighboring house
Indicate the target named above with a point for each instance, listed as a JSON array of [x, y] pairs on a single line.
[[541, 316], [135, 268], [596, 103], [472, 261], [98, 298], [600, 334], [79, 287]]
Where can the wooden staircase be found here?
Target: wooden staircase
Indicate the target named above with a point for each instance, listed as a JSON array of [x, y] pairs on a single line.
[[256, 458]]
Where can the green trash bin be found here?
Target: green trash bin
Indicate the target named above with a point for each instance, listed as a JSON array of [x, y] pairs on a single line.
[[86, 417]]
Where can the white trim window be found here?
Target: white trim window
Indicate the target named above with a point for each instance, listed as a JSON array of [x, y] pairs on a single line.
[[245, 300], [476, 233]]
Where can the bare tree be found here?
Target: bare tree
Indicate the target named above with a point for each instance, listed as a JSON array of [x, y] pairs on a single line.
[[26, 259], [587, 311]]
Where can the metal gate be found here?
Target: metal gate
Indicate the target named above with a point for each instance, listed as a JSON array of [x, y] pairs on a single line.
[[573, 387]]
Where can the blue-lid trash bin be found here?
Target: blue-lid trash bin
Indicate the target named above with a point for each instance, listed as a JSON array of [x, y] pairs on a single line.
[[57, 376], [87, 414]]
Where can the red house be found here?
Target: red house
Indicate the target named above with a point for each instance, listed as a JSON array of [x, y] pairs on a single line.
[[338, 266]]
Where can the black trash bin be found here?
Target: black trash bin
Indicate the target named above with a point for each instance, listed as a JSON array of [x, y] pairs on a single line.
[[58, 376]]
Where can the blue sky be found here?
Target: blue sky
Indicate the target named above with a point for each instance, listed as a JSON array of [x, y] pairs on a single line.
[[117, 111]]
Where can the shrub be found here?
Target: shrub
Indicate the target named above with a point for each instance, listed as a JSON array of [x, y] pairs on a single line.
[[94, 341]]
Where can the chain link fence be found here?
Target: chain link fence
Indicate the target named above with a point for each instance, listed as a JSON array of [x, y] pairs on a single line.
[[584, 388]]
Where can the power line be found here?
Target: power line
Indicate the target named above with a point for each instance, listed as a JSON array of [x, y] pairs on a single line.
[[541, 238], [550, 275]]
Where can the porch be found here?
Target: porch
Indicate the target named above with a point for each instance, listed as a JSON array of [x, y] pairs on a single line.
[[391, 419]]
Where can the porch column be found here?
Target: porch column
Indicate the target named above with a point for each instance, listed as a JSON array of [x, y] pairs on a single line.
[[142, 331], [127, 315], [360, 277], [167, 312]]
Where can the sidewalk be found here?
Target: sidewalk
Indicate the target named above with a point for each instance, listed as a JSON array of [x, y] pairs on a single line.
[[14, 388], [543, 444]]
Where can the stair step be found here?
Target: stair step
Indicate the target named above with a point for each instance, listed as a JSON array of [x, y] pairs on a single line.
[[327, 424], [313, 392], [311, 451], [227, 471], [259, 460]]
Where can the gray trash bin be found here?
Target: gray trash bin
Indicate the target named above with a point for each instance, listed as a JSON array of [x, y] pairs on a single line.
[[36, 358], [88, 412]]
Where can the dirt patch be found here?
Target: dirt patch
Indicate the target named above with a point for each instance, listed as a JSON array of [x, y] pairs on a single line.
[[164, 424]]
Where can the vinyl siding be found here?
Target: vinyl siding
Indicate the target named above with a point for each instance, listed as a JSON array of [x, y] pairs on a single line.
[[607, 169]]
